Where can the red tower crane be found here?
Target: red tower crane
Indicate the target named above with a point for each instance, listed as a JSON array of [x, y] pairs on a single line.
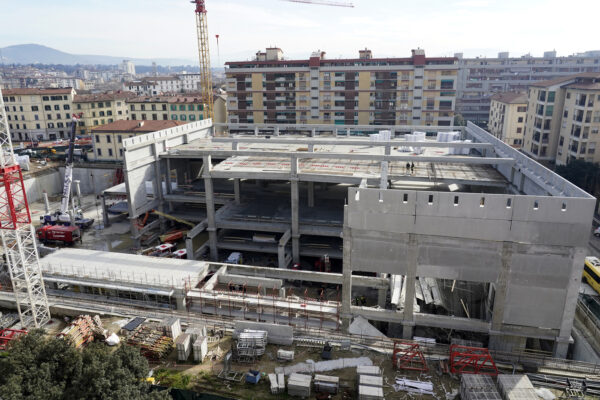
[[18, 236]]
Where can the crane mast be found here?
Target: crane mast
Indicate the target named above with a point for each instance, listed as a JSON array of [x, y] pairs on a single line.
[[18, 236], [63, 215], [204, 56]]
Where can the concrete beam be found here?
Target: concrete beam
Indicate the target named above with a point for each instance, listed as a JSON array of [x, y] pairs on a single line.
[[252, 281]]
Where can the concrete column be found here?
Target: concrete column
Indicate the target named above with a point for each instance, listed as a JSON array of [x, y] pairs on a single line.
[[382, 297], [46, 203], [180, 303], [408, 318], [236, 190], [335, 131], [313, 132], [158, 186], [105, 221], [256, 131], [561, 345], [295, 222], [383, 183], [501, 287], [346, 316], [277, 130], [283, 261], [311, 194], [210, 208], [348, 132], [168, 176]]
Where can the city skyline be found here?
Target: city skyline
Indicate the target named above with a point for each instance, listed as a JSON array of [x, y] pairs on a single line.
[[164, 28]]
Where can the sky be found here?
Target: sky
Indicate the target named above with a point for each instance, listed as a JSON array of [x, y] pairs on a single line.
[[390, 28]]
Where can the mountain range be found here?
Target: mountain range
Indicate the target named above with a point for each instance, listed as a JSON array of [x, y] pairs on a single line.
[[39, 54]]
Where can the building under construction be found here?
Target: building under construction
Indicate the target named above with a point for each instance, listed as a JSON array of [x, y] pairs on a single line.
[[445, 231]]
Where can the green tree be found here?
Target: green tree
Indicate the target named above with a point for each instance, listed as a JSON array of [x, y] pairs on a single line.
[[459, 120], [42, 368], [581, 173]]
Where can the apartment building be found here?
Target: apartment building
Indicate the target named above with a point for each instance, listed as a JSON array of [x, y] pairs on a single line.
[[507, 117], [563, 119], [157, 85], [417, 90], [38, 114], [100, 109], [173, 107], [108, 138], [480, 78]]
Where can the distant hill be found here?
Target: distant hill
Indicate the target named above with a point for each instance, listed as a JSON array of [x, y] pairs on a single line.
[[35, 53]]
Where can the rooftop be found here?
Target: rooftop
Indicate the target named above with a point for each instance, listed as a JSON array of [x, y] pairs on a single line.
[[141, 126], [118, 95], [42, 91], [121, 267], [511, 98], [567, 80], [167, 99]]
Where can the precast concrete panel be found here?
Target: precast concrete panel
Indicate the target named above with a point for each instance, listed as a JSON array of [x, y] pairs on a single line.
[[380, 255], [460, 263], [537, 307], [138, 196]]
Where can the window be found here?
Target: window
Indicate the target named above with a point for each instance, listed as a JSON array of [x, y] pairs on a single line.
[[549, 110], [47, 108], [519, 130], [56, 107], [165, 116], [143, 107], [144, 116], [110, 152], [192, 117], [551, 97], [34, 108], [191, 107], [49, 116], [79, 106], [173, 107], [174, 117], [522, 109], [119, 138], [133, 117], [66, 107], [182, 117], [94, 114], [121, 152], [97, 138], [37, 126], [107, 138], [100, 104], [182, 107], [99, 151], [132, 107]]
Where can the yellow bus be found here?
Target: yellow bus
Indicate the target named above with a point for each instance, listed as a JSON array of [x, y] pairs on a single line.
[[591, 272]]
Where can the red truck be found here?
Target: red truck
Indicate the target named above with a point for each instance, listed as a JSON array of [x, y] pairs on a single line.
[[60, 234]]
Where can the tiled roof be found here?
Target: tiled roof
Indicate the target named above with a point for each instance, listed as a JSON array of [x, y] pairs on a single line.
[[31, 91], [119, 95], [510, 97], [137, 126]]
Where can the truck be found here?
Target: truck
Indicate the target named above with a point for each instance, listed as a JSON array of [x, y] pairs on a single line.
[[60, 234]]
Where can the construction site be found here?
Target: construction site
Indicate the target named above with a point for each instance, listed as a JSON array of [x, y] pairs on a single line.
[[274, 261]]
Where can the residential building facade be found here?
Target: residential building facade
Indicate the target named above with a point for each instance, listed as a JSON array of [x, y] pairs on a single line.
[[100, 109], [38, 114], [480, 78], [507, 117], [174, 108], [157, 85], [417, 90], [563, 119], [108, 138]]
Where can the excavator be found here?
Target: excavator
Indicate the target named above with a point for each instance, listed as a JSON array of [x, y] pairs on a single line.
[[64, 216]]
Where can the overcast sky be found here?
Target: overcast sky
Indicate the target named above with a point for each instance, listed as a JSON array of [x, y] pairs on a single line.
[[166, 28]]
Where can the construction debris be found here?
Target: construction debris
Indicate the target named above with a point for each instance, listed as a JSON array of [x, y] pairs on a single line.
[[410, 386], [299, 385], [360, 326], [153, 344], [250, 345], [312, 367], [82, 330]]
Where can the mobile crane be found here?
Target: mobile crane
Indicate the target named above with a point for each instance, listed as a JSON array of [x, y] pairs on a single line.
[[63, 216]]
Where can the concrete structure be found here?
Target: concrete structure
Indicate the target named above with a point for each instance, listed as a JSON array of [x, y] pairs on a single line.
[[480, 78], [108, 138], [417, 90], [507, 117], [563, 119], [494, 223], [99, 109], [38, 114], [128, 67]]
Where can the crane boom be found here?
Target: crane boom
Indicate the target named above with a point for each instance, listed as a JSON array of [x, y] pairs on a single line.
[[323, 3], [204, 56]]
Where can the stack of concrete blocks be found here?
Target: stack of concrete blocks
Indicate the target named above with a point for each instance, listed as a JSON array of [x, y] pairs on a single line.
[[370, 383], [327, 384], [478, 387], [195, 331], [200, 348], [516, 387], [285, 355], [171, 327], [277, 382], [299, 385], [184, 346]]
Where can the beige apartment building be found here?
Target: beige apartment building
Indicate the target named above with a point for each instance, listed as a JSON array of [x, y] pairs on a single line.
[[38, 114], [108, 138], [175, 108], [563, 118], [100, 109], [417, 90], [507, 117]]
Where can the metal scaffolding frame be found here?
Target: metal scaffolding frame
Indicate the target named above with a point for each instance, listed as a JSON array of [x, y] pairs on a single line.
[[18, 236]]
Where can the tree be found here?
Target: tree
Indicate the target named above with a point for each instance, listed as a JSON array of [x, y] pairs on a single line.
[[582, 174], [41, 368], [459, 120]]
